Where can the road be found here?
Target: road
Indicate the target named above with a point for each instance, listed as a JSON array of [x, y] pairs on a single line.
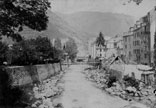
[[80, 93]]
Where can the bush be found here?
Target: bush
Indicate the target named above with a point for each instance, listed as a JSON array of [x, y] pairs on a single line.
[[111, 80], [34, 51], [131, 81]]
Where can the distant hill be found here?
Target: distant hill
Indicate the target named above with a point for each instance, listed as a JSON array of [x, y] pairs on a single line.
[[58, 27], [82, 26], [110, 24]]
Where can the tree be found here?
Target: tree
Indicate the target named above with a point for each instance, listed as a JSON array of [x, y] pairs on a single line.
[[44, 47], [58, 44], [32, 51], [24, 53], [15, 14], [100, 40], [71, 49]]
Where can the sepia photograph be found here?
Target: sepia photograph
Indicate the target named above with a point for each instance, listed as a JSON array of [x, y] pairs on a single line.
[[77, 53]]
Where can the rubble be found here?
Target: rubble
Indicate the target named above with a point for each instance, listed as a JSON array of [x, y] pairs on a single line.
[[45, 92], [144, 95]]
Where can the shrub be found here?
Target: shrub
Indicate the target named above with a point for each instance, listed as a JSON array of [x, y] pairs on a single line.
[[131, 81], [34, 51], [111, 80]]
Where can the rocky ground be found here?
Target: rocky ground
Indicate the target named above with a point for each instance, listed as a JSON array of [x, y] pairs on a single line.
[[144, 96], [81, 93], [45, 95]]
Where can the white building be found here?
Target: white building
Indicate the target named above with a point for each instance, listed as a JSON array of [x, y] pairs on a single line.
[[98, 51], [112, 44]]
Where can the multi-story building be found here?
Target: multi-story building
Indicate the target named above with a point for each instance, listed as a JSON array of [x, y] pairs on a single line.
[[97, 51], [141, 41], [128, 45], [137, 42], [114, 46], [152, 15]]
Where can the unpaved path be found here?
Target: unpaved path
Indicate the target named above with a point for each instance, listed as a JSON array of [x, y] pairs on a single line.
[[80, 93]]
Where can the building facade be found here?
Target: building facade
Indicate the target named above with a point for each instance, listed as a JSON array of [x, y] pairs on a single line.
[[114, 46], [128, 45], [137, 42], [97, 51], [152, 15]]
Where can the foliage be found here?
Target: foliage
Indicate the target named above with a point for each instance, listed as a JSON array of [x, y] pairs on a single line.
[[44, 47], [131, 81], [24, 53], [58, 48], [100, 40], [71, 49], [3, 52], [58, 44], [111, 80], [33, 51], [15, 14]]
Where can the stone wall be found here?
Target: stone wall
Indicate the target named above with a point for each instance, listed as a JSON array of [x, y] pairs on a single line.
[[22, 75]]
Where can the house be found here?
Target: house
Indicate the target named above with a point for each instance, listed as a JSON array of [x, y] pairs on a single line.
[[137, 42], [115, 66], [97, 50]]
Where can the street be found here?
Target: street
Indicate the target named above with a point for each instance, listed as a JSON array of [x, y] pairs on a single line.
[[80, 93]]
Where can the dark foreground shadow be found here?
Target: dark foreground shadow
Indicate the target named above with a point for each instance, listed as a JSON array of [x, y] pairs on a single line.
[[10, 97]]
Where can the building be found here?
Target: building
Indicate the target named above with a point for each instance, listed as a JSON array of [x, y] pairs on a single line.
[[97, 51], [114, 46], [141, 41], [137, 42], [152, 15], [128, 45]]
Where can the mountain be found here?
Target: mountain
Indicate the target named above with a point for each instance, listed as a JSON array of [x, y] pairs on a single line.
[[82, 26], [110, 24], [58, 27]]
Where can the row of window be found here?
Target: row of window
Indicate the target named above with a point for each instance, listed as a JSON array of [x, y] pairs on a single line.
[[136, 43], [137, 54]]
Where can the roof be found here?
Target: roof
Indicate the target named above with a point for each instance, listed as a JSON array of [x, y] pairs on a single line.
[[144, 68], [111, 60]]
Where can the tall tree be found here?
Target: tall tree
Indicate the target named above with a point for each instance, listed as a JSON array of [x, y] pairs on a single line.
[[71, 49], [100, 40], [44, 47], [58, 44], [15, 14]]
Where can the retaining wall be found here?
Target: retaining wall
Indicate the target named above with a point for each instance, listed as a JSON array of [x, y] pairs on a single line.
[[22, 75]]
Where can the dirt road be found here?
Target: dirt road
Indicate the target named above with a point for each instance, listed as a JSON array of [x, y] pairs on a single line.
[[80, 93]]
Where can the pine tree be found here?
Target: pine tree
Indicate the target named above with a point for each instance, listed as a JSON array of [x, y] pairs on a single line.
[[100, 40]]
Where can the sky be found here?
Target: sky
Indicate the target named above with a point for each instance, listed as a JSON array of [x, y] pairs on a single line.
[[114, 6]]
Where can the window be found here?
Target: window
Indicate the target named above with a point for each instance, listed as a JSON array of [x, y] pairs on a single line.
[[125, 46], [125, 39], [129, 39], [145, 56]]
